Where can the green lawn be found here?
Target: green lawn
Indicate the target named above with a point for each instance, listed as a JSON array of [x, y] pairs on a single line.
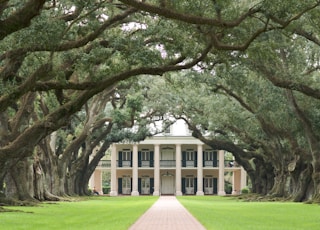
[[95, 213], [230, 213], [220, 213]]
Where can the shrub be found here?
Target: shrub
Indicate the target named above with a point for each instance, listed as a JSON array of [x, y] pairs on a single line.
[[245, 190], [228, 187], [106, 190]]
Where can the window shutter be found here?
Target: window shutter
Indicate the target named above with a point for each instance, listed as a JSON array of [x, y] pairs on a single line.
[[203, 159], [203, 184], [183, 185], [184, 159], [120, 185], [120, 158], [139, 159], [215, 185], [151, 185], [139, 185], [151, 159], [215, 159]]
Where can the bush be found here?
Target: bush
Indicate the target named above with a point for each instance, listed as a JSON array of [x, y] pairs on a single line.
[[245, 190], [228, 188], [106, 190]]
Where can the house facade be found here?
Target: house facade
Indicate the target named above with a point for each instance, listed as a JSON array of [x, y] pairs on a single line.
[[169, 165]]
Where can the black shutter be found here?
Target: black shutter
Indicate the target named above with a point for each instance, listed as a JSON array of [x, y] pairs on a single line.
[[120, 158], [203, 160], [139, 185], [195, 158], [195, 185], [151, 185], [120, 185], [151, 159], [139, 159], [203, 184], [215, 185], [131, 161], [184, 159], [215, 159], [183, 184]]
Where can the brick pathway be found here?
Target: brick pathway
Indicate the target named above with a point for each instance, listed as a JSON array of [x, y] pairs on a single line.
[[167, 214]]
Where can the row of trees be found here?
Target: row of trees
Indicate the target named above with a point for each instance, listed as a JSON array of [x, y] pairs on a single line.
[[69, 87], [262, 105]]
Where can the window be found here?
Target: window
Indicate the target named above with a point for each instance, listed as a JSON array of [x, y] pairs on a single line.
[[145, 155], [166, 127], [167, 130], [126, 155], [209, 155], [126, 182], [189, 182], [190, 155], [208, 182]]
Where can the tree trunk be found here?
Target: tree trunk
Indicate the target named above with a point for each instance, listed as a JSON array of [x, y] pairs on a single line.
[[279, 188], [42, 190], [62, 176], [21, 186], [301, 180], [263, 177], [316, 177]]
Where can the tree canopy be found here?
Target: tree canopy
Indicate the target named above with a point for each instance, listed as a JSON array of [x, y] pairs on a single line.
[[69, 84]]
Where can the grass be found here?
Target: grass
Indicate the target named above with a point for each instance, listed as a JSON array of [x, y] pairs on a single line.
[[120, 212], [94, 213], [230, 213]]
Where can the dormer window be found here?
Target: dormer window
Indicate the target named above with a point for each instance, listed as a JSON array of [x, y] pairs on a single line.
[[167, 128]]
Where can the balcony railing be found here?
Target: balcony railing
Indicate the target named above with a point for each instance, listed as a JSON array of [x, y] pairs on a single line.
[[211, 163], [145, 163], [125, 164], [189, 163], [167, 163], [104, 164]]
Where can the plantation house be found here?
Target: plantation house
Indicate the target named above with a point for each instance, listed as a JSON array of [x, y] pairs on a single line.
[[172, 163]]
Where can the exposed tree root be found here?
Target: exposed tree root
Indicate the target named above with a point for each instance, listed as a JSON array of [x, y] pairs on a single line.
[[16, 202], [253, 197]]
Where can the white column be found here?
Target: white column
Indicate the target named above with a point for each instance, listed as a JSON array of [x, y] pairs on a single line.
[[91, 181], [243, 178], [135, 191], [200, 171], [98, 181], [113, 190], [156, 165], [234, 182], [221, 191], [178, 170]]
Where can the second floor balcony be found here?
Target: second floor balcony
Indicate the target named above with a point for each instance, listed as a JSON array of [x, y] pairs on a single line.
[[211, 163], [145, 163], [168, 164]]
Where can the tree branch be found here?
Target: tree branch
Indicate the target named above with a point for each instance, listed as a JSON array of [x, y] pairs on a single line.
[[192, 19], [20, 18]]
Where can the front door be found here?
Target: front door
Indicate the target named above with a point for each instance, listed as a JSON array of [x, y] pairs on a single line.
[[189, 185], [167, 185], [126, 185], [208, 185], [145, 185]]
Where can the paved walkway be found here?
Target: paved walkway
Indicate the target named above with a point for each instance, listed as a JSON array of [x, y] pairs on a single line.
[[167, 214]]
